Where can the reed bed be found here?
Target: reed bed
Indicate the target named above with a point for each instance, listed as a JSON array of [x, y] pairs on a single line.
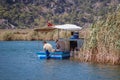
[[102, 45], [30, 34]]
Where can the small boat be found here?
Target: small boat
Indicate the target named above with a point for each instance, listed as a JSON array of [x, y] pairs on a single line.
[[74, 42], [69, 44]]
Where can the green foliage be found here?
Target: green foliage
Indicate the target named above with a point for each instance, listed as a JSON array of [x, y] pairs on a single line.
[[28, 13]]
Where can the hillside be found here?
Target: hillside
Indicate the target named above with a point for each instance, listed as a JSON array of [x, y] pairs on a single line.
[[35, 13]]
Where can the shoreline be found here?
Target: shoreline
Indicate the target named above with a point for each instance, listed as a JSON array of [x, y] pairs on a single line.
[[84, 55], [23, 35]]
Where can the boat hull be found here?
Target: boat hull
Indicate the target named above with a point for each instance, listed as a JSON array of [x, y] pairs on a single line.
[[53, 55]]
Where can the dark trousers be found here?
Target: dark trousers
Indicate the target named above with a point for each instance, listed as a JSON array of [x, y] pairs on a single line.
[[48, 54]]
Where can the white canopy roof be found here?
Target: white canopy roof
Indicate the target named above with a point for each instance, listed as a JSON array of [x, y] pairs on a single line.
[[71, 27]]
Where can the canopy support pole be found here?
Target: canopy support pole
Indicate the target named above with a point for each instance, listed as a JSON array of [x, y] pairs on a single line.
[[58, 34]]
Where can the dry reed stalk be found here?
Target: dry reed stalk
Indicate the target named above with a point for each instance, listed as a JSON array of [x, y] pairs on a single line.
[[103, 43]]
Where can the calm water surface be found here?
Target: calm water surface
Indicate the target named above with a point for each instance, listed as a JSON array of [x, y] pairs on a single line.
[[18, 61]]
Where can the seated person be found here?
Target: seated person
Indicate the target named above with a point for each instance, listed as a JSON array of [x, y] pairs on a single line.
[[59, 45]]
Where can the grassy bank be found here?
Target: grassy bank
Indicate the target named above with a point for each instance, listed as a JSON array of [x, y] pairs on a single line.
[[21, 34], [29, 34], [15, 34], [102, 43]]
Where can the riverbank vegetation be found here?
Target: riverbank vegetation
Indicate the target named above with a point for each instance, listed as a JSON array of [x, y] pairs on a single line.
[[30, 35], [102, 42], [18, 18], [19, 34]]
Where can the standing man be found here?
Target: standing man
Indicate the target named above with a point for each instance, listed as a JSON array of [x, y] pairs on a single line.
[[48, 48]]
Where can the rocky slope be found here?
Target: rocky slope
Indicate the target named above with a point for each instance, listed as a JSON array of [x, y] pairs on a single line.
[[35, 13]]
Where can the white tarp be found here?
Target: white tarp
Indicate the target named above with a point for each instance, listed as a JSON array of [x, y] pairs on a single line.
[[71, 27]]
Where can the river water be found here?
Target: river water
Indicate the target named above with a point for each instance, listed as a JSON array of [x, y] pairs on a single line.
[[18, 61]]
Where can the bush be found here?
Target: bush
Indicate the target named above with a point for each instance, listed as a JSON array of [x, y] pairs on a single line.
[[8, 36]]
